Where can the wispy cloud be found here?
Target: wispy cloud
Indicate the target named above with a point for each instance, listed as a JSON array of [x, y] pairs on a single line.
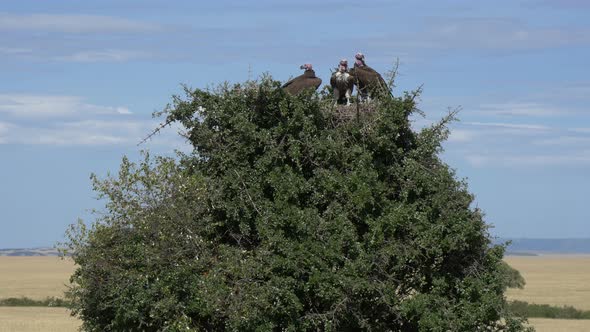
[[4, 128], [481, 33], [581, 158], [461, 135], [81, 38], [562, 4], [502, 34], [89, 133], [499, 144], [28, 119], [581, 130], [46, 106], [75, 133], [509, 125], [521, 109], [73, 23], [110, 55], [15, 50], [565, 141]]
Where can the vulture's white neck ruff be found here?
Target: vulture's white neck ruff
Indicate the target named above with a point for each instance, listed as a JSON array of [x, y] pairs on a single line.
[[342, 76]]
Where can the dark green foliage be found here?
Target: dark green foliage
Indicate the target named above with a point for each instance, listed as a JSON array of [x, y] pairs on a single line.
[[531, 310], [513, 278], [289, 217], [27, 302]]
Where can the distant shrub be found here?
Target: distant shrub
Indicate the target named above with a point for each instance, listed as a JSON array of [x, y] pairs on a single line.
[[512, 277], [27, 302], [531, 310]]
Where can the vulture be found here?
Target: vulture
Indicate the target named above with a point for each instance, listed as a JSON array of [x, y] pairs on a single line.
[[369, 82], [342, 83], [302, 82]]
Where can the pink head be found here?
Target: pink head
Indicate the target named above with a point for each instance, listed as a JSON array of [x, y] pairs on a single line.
[[306, 66], [343, 65], [359, 59]]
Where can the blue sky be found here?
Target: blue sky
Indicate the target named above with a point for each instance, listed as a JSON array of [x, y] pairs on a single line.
[[80, 80]]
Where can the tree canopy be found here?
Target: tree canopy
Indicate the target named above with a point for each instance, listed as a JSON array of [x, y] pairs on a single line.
[[289, 216]]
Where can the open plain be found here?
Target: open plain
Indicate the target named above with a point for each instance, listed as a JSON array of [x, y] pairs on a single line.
[[37, 319], [552, 279], [35, 277]]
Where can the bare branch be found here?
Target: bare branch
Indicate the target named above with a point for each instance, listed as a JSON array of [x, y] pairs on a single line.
[[157, 130], [391, 74]]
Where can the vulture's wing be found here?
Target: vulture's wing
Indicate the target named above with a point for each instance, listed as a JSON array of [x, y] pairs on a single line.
[[316, 82], [295, 85], [300, 83], [289, 82], [350, 80], [333, 80], [361, 77], [370, 78], [382, 83]]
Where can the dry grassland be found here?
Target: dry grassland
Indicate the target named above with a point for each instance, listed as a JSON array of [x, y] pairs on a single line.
[[556, 280], [34, 277], [36, 319], [560, 325]]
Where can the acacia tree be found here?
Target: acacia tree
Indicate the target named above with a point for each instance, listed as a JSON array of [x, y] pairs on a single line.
[[289, 216]]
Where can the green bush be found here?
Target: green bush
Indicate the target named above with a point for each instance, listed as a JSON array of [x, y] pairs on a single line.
[[289, 216], [525, 309], [513, 278], [27, 302]]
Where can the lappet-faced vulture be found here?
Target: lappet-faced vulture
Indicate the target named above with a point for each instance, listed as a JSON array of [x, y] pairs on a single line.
[[306, 81], [342, 83], [370, 83]]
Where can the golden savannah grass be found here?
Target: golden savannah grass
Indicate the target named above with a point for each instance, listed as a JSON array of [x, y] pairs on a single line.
[[36, 319], [35, 277], [560, 325], [553, 279]]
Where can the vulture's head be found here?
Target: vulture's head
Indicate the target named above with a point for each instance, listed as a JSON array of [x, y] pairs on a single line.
[[343, 66], [359, 59], [306, 66]]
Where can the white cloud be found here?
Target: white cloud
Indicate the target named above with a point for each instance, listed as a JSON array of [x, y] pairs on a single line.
[[494, 34], [564, 4], [122, 110], [47, 106], [581, 130], [499, 144], [521, 109], [4, 128], [510, 125], [564, 140], [73, 23], [65, 136], [578, 158], [460, 135], [87, 133], [15, 50], [103, 56], [69, 121]]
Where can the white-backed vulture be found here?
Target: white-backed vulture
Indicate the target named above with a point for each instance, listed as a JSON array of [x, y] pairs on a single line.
[[342, 83]]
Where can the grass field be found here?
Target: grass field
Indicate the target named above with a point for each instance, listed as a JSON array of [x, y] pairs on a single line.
[[556, 280], [34, 277], [560, 325], [27, 319]]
